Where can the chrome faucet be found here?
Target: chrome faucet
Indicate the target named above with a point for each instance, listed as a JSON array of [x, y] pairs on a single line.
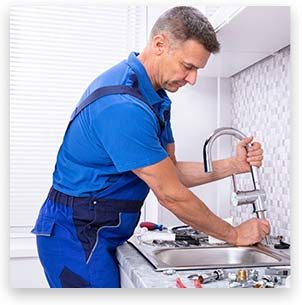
[[257, 196]]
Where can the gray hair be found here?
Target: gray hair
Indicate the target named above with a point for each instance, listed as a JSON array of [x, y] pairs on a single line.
[[184, 23]]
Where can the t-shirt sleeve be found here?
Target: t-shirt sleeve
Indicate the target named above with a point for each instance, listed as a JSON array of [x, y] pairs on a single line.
[[129, 133]]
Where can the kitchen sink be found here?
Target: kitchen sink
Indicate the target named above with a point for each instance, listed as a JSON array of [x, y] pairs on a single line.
[[214, 257], [211, 256]]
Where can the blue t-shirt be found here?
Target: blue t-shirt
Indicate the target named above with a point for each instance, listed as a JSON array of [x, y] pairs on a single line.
[[113, 136]]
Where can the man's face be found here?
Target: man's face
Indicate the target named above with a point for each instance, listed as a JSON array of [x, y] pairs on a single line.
[[179, 65]]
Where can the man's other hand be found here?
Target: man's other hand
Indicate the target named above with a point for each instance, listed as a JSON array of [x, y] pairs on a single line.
[[252, 231], [247, 157]]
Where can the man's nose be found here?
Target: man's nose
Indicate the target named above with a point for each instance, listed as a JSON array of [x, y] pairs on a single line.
[[191, 77]]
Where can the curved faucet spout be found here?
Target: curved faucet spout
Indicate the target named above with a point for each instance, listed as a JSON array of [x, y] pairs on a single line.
[[207, 148], [207, 151]]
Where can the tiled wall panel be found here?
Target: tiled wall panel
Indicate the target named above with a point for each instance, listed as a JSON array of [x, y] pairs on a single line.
[[261, 107]]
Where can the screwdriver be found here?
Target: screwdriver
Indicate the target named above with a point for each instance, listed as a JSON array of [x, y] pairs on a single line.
[[152, 226]]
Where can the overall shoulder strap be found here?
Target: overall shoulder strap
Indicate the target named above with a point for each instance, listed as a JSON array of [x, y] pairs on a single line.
[[110, 90]]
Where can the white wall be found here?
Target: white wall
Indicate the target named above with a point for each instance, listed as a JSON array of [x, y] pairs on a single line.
[[224, 144], [193, 118]]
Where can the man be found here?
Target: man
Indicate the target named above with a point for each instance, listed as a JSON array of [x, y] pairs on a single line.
[[118, 145]]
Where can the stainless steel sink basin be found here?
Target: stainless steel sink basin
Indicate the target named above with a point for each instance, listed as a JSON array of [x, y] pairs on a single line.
[[212, 257]]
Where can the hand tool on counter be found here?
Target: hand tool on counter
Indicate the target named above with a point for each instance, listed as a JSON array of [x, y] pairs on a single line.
[[152, 226], [150, 236]]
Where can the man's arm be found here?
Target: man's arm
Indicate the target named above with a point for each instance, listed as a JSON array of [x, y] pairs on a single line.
[[163, 179], [192, 173]]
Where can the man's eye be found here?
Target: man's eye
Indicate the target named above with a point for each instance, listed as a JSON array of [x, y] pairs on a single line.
[[188, 67]]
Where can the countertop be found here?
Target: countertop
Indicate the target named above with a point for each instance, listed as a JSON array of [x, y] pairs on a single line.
[[142, 274]]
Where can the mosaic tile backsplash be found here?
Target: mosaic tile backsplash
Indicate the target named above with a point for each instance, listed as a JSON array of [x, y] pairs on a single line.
[[261, 107]]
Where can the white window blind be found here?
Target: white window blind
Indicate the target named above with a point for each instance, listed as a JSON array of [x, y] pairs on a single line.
[[55, 52]]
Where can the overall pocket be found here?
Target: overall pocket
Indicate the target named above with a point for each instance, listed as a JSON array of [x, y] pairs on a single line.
[[109, 237], [121, 232], [44, 226]]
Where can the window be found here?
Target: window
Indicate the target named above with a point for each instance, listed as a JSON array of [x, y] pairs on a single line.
[[55, 52]]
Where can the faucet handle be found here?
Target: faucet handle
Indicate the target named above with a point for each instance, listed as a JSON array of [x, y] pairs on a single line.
[[240, 198]]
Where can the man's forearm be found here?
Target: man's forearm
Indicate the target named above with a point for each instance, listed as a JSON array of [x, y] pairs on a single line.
[[193, 174], [193, 212]]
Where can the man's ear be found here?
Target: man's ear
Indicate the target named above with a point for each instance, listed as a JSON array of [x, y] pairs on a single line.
[[160, 44]]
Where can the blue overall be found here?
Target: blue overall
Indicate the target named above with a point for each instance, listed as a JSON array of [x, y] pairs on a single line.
[[77, 236]]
